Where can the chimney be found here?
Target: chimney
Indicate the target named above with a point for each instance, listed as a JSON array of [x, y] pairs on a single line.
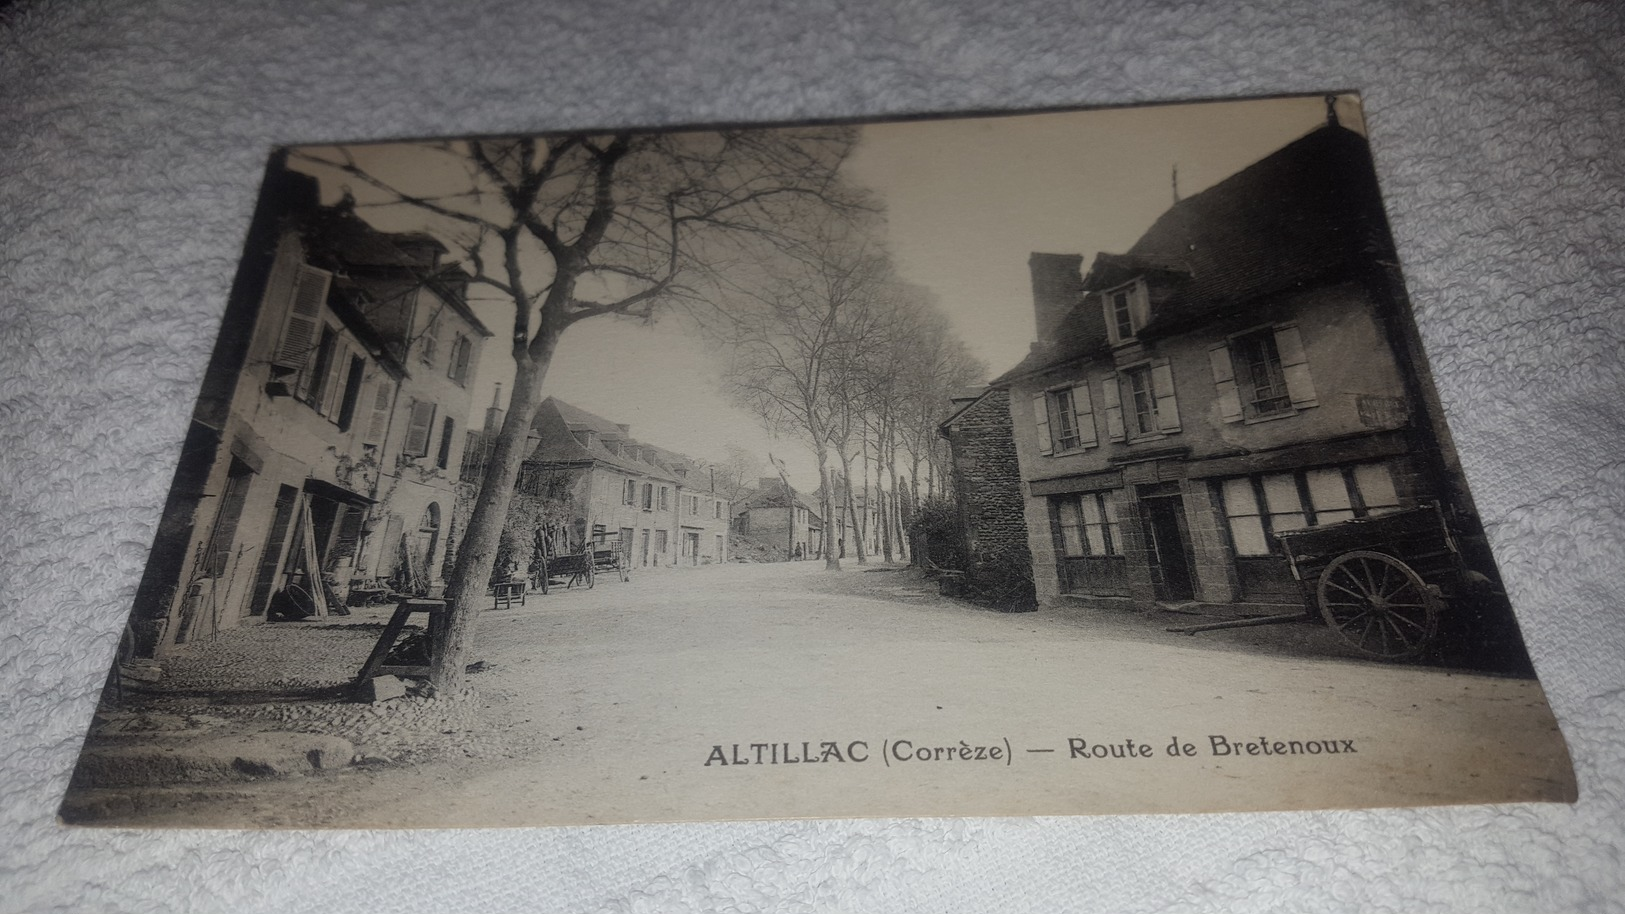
[[1057, 286], [495, 415]]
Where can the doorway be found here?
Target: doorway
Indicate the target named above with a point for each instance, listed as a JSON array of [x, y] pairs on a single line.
[[1168, 542]]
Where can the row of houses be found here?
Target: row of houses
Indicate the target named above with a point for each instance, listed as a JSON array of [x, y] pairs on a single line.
[[587, 480], [1246, 368], [326, 444], [336, 445]]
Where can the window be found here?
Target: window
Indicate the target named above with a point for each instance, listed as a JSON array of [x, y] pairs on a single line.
[[1065, 424], [1262, 374], [1127, 310], [1066, 419], [665, 503], [1144, 401], [660, 542], [352, 392], [648, 496], [445, 443], [1259, 507], [1088, 524], [630, 495], [419, 427], [1258, 364], [457, 366], [694, 505], [1141, 403], [716, 511]]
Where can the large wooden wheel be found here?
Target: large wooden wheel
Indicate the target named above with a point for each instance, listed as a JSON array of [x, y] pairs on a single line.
[[1379, 605]]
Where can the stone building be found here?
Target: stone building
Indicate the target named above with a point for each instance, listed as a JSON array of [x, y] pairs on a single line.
[[987, 482], [781, 519], [588, 479], [1247, 368]]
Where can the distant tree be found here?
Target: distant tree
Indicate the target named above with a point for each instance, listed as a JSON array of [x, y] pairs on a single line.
[[795, 332]]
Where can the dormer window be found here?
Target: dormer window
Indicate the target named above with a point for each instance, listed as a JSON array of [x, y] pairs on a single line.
[[1127, 311]]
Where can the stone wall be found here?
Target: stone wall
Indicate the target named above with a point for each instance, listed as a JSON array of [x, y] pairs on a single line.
[[987, 477]]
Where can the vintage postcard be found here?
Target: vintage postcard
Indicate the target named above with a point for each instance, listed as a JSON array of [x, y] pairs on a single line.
[[1057, 463]]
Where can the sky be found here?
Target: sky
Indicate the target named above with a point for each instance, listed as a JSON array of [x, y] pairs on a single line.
[[966, 202]]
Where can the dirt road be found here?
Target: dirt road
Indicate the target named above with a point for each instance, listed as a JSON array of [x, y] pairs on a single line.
[[748, 691]]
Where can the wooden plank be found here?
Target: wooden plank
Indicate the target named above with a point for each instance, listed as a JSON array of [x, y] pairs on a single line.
[[386, 640], [313, 566]]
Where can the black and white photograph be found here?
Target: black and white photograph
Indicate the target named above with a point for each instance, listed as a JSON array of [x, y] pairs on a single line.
[[1044, 463]]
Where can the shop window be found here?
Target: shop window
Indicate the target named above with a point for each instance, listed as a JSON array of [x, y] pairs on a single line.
[[1259, 507], [1088, 524]]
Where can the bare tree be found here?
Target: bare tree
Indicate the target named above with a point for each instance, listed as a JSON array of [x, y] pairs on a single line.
[[795, 332], [569, 228]]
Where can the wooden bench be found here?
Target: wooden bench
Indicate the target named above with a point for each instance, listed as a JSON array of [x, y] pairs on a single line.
[[507, 593]]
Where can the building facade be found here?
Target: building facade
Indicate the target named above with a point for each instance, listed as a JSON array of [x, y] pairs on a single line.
[[588, 479], [1245, 369], [313, 438], [785, 521]]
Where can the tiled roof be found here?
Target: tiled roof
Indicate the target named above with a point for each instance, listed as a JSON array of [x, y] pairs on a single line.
[[557, 423], [1307, 213]]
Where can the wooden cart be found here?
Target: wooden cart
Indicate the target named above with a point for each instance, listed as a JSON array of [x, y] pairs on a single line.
[[1381, 583], [569, 569], [609, 557]]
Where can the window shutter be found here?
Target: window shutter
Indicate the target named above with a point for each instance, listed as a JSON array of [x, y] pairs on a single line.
[[459, 360], [1224, 382], [1083, 408], [418, 429], [378, 425], [331, 388], [1295, 367], [304, 316], [1114, 408], [1041, 416], [1162, 387]]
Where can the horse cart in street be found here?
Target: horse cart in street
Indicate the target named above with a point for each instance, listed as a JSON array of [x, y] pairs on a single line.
[[1381, 583], [606, 556]]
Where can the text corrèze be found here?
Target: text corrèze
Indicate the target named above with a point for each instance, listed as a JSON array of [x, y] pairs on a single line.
[[900, 750]]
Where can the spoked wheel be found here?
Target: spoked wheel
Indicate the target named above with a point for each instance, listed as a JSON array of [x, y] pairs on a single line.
[[1379, 605], [590, 576]]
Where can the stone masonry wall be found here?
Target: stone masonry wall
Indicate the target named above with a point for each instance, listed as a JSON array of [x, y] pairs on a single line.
[[988, 478]]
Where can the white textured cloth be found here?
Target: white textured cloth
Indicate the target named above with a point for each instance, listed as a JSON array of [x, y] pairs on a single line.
[[132, 136]]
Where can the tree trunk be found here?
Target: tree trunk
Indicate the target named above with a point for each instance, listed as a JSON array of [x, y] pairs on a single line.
[[851, 506], [832, 562], [896, 507], [465, 591]]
